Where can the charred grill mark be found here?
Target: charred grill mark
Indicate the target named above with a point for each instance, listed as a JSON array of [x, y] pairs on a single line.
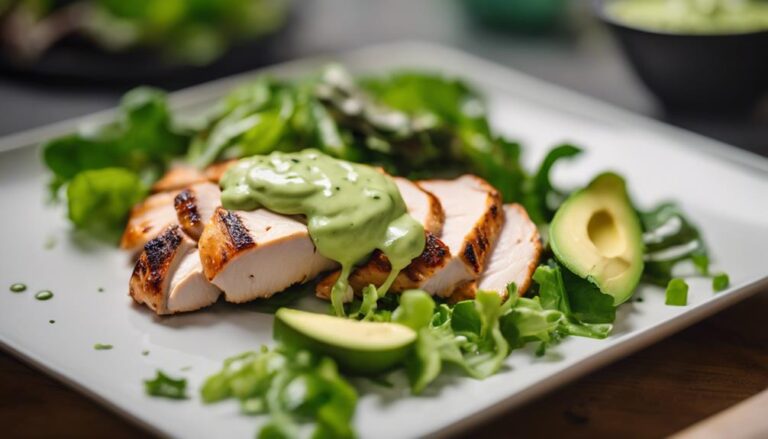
[[186, 206], [471, 257], [494, 211], [435, 252], [159, 252], [236, 230]]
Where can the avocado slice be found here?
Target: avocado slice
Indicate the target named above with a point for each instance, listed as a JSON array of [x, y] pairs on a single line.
[[364, 348], [596, 234]]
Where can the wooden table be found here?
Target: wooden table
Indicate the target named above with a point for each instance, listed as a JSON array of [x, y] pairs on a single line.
[[656, 392]]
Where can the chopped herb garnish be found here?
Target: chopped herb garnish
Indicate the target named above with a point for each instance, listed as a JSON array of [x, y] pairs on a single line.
[[720, 282], [166, 387], [102, 347], [677, 292], [639, 299], [185, 368], [44, 295], [51, 321], [100, 289], [145, 353], [18, 288]]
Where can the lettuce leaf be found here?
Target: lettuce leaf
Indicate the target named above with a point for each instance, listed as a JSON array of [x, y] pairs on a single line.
[[586, 311], [671, 238], [296, 388], [99, 200]]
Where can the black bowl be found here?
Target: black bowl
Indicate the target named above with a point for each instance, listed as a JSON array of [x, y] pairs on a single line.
[[722, 73]]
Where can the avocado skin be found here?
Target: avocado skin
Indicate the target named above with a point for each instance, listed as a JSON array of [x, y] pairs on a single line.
[[352, 361], [613, 184]]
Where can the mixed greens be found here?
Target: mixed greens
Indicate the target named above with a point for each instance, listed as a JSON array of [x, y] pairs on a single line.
[[411, 124]]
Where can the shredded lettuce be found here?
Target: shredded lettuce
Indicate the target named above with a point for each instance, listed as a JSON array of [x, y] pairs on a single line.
[[296, 388], [166, 387]]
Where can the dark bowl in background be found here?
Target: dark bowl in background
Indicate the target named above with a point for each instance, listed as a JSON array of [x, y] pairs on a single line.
[[713, 73]]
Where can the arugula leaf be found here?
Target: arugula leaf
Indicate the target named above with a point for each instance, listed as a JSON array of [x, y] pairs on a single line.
[[166, 387], [294, 387], [540, 198], [670, 238], [99, 200]]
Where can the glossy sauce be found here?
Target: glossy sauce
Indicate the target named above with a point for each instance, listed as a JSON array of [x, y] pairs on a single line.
[[351, 209]]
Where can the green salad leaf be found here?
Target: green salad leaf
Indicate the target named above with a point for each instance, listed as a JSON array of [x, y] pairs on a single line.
[[540, 198], [586, 311], [108, 168], [671, 238], [677, 293], [296, 388], [720, 282], [99, 200], [166, 387]]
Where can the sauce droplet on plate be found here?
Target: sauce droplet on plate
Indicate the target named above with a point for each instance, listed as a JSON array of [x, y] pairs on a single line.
[[44, 295]]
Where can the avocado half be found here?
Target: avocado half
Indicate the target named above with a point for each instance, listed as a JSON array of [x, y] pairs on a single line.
[[364, 348], [596, 234]]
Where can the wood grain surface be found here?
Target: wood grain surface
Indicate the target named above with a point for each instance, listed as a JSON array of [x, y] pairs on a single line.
[[653, 393]]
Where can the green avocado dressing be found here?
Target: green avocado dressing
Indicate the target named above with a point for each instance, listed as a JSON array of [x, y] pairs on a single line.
[[693, 16], [351, 209]]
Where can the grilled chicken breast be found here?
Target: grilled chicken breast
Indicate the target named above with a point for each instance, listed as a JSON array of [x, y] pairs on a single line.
[[178, 177], [256, 254], [515, 255], [168, 276], [473, 219], [424, 208], [147, 220], [195, 206], [422, 205]]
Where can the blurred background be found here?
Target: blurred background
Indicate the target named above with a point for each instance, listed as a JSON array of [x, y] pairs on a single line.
[[705, 69]]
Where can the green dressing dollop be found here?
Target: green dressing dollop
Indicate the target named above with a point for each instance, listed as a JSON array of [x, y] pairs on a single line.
[[693, 16], [351, 209]]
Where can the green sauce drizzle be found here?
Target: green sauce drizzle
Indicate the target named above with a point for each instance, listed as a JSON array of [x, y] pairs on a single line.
[[351, 209], [18, 288], [44, 295]]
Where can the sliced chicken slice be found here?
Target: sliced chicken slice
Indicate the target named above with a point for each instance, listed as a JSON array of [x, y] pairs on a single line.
[[515, 255], [178, 177], [168, 276], [376, 270], [147, 220], [473, 219], [214, 172], [256, 254], [195, 206], [422, 205]]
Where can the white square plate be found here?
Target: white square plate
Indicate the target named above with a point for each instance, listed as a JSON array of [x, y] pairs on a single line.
[[725, 190]]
